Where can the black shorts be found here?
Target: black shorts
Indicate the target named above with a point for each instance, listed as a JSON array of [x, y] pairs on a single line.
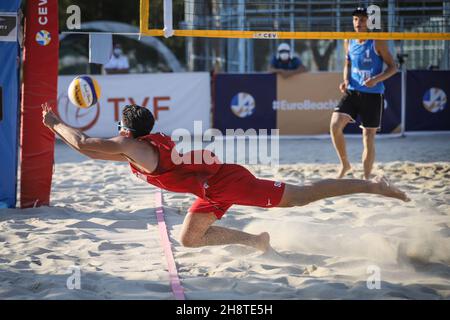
[[369, 106]]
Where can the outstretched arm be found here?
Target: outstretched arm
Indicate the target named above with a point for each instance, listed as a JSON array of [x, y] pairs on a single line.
[[94, 148]]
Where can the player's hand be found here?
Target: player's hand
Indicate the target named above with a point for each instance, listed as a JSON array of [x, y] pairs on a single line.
[[343, 86], [49, 118], [371, 82]]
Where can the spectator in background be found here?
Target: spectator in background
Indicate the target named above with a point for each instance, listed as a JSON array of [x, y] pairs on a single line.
[[284, 63], [118, 63]]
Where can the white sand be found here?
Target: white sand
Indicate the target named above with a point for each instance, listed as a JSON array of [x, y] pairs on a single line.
[[100, 214]]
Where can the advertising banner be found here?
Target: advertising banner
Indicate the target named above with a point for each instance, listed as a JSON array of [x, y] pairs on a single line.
[[244, 101], [306, 101], [175, 99], [9, 105], [303, 104], [427, 106], [9, 102]]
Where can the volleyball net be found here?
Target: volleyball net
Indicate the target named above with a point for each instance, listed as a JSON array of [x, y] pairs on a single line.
[[321, 19]]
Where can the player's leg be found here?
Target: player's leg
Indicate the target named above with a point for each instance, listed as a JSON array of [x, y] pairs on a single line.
[[371, 112], [337, 125], [368, 155], [198, 231], [302, 195], [345, 112]]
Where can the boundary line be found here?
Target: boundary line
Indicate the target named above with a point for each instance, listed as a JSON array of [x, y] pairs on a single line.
[[175, 283]]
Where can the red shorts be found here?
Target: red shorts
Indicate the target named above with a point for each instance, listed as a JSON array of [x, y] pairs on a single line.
[[234, 184]]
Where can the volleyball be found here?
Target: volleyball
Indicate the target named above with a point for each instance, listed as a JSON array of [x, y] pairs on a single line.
[[84, 91]]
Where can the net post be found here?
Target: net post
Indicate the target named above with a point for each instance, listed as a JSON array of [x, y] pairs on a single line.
[[143, 14], [168, 18]]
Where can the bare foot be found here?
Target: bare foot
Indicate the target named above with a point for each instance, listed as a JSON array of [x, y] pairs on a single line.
[[344, 169], [368, 177], [385, 188], [263, 242]]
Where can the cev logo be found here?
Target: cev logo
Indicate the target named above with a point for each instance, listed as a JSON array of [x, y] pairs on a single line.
[[265, 35], [434, 100], [43, 37], [243, 105]]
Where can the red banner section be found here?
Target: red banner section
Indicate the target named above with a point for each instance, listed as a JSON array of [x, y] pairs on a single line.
[[40, 78]]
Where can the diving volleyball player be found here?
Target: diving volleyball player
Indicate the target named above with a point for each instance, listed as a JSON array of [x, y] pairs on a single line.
[[217, 186], [363, 93]]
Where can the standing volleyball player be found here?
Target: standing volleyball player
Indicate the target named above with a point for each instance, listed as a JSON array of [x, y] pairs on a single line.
[[363, 92]]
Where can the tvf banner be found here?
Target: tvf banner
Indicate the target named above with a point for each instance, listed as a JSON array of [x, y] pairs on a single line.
[[175, 99]]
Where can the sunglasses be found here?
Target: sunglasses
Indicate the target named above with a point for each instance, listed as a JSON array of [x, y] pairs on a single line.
[[120, 127]]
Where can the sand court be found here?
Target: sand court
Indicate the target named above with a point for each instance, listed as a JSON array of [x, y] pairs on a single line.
[[102, 220]]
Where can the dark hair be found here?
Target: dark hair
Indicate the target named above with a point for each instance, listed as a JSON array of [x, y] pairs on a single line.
[[139, 119], [361, 12]]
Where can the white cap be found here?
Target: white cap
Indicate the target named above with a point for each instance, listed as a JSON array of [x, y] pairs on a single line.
[[284, 47]]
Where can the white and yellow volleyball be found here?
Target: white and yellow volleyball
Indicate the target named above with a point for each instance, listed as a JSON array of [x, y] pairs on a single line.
[[84, 91]]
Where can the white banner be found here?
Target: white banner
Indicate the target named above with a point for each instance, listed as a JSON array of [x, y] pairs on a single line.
[[175, 99]]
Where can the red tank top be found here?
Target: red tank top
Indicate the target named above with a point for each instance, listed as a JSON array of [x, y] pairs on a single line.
[[183, 177]]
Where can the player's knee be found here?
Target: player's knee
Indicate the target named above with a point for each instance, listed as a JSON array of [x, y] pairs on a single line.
[[369, 133], [294, 197], [188, 241], [301, 201], [296, 202], [335, 127]]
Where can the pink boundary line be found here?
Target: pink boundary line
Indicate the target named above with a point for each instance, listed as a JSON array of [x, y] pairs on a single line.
[[175, 283]]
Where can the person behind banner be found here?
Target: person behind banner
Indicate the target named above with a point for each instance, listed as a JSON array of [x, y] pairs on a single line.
[[284, 63], [363, 91], [118, 62]]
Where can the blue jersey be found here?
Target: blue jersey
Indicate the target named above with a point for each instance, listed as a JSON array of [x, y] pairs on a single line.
[[365, 63]]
